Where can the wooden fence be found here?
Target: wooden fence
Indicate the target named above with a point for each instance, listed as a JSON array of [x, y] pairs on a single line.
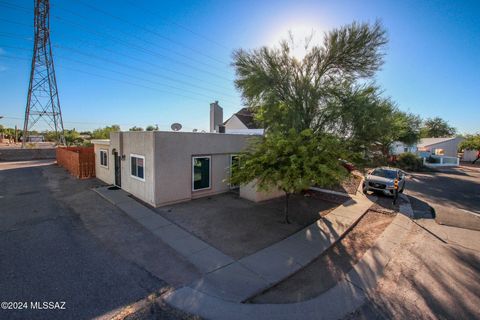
[[79, 161]]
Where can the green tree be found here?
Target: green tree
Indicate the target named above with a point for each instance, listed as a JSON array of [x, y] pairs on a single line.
[[471, 142], [437, 128], [152, 128], [72, 138], [86, 133], [291, 162], [286, 92], [135, 128], [365, 119], [104, 133]]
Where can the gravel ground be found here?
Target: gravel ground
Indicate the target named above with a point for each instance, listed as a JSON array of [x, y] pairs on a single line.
[[331, 267], [426, 279], [239, 227]]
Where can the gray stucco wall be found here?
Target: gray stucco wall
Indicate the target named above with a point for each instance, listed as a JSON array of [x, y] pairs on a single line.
[[102, 173], [139, 143], [173, 163], [168, 163], [450, 147]]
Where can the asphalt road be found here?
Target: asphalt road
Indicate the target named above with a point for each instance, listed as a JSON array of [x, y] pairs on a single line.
[[453, 193], [455, 187], [49, 253]]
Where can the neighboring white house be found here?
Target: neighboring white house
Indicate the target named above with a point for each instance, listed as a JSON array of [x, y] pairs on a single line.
[[242, 122], [162, 167], [439, 147], [430, 147], [434, 151]]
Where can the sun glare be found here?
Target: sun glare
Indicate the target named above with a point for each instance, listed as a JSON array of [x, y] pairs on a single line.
[[299, 35]]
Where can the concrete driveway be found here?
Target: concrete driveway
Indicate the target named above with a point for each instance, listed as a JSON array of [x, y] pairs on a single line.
[[61, 242], [434, 274]]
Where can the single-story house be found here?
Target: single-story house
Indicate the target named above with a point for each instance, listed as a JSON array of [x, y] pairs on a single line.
[[162, 168], [426, 147]]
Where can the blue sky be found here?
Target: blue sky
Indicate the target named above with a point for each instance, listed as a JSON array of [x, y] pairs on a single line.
[[158, 62]]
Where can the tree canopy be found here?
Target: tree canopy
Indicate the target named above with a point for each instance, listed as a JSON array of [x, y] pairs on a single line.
[[152, 128], [471, 142], [104, 133], [286, 92], [437, 128], [290, 161]]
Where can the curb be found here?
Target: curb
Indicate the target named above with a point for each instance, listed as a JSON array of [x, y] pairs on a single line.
[[347, 296]]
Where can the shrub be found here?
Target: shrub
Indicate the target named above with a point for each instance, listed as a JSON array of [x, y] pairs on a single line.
[[409, 162]]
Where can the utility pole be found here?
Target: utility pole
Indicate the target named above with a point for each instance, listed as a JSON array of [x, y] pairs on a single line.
[[42, 98]]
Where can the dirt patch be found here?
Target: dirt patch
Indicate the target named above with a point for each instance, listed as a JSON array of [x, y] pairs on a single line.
[[332, 266], [239, 227], [349, 185]]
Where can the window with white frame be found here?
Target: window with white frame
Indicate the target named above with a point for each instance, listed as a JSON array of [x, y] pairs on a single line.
[[137, 165], [201, 167], [104, 158]]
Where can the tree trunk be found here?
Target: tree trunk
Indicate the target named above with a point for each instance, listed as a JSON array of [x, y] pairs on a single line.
[[287, 195]]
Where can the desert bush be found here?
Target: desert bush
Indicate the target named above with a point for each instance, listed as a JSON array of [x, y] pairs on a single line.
[[409, 162]]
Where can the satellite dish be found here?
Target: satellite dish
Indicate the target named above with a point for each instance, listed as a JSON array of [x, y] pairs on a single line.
[[176, 126], [195, 130]]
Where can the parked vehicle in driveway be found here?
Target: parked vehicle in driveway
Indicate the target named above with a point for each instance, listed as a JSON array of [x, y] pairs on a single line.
[[383, 179]]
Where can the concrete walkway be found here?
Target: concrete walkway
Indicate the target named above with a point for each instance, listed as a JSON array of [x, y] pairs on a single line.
[[205, 257], [261, 270], [237, 281], [342, 299]]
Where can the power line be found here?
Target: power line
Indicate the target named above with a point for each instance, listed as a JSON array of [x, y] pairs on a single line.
[[127, 44], [140, 48], [140, 70], [122, 54], [150, 31], [152, 13], [177, 53], [132, 68], [110, 78]]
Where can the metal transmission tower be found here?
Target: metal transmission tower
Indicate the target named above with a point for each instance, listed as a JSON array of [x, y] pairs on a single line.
[[42, 99]]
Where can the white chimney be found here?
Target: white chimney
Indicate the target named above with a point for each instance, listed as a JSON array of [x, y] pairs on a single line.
[[216, 116]]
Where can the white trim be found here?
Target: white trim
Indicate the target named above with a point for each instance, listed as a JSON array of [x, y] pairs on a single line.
[[106, 152], [209, 173], [144, 167], [101, 141]]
